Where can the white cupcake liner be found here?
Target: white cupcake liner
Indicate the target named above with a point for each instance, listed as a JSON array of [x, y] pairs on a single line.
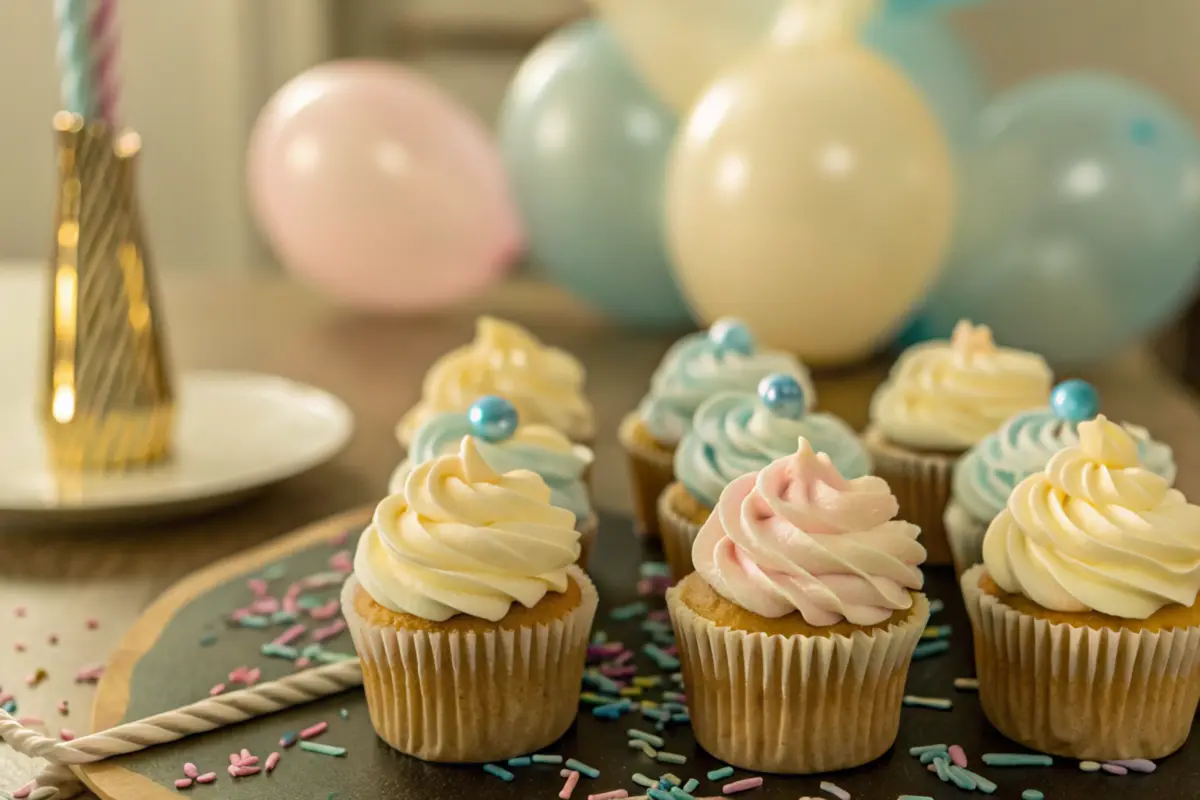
[[451, 696], [798, 704], [678, 534], [965, 534], [1082, 692]]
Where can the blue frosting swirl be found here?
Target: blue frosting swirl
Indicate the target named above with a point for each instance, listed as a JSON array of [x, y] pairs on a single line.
[[694, 369], [986, 475], [733, 434], [538, 448]]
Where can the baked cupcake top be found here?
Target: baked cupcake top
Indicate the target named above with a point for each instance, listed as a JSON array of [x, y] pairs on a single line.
[[723, 358], [738, 432], [544, 383], [985, 477], [505, 445], [463, 539], [946, 396], [1097, 531], [796, 536]]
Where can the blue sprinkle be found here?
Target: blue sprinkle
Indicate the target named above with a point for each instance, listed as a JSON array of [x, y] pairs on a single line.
[[720, 774], [981, 783], [652, 625], [927, 649], [311, 651], [656, 714], [611, 711], [599, 637], [630, 611], [499, 772], [662, 659], [643, 781], [941, 763], [658, 794], [680, 794], [520, 761], [344, 714], [253, 621], [273, 650], [654, 569], [208, 640], [546, 759], [282, 617], [961, 778], [600, 681], [929, 755], [1032, 794], [925, 748], [1017, 760], [582, 768], [682, 716], [10, 706], [936, 605], [288, 739], [691, 786]]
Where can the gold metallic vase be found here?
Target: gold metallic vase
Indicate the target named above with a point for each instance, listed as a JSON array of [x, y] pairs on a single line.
[[109, 396]]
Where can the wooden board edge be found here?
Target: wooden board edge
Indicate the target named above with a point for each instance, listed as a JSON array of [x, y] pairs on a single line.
[[113, 782]]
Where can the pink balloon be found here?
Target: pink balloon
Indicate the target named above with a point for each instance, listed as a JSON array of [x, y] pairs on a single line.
[[373, 185]]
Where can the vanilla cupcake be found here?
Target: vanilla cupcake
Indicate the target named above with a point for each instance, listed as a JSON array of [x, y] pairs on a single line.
[[1085, 612], [798, 626], [940, 399], [698, 366], [987, 474], [466, 605], [544, 383], [506, 445], [734, 433]]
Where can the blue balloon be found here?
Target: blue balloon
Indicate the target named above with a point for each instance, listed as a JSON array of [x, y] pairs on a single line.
[[585, 144], [1081, 219]]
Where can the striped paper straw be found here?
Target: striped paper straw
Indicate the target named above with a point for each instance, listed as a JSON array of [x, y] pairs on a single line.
[[105, 44], [74, 58]]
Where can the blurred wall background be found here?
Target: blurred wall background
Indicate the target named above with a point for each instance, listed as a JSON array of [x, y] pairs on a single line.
[[197, 71]]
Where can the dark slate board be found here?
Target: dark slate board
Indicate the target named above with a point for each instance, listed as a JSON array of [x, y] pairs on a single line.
[[177, 671]]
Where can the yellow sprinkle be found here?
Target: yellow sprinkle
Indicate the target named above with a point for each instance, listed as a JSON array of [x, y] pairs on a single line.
[[631, 691], [649, 704], [647, 681]]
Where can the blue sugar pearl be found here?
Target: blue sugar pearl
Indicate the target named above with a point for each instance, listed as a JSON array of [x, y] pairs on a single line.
[[1075, 401], [492, 418], [731, 335], [782, 395]]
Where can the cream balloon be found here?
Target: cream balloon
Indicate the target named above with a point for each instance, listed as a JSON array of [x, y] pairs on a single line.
[[810, 192], [680, 46]]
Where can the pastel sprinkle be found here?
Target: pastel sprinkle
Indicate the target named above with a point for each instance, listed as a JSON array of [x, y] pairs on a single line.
[[742, 785], [579, 766], [615, 794], [680, 794], [243, 772], [662, 659], [642, 780], [593, 699], [658, 794], [288, 739], [928, 649], [273, 650], [966, 684], [675, 697], [914, 797], [647, 681], [692, 785], [190, 770], [643, 746], [499, 772], [1032, 794], [958, 756], [936, 605], [208, 640], [89, 674], [1017, 760], [291, 634], [520, 761], [937, 632], [66, 734], [343, 713], [941, 765], [314, 730], [1114, 769], [329, 631], [671, 758], [541, 758], [937, 703], [601, 682], [681, 717], [10, 706], [631, 691], [283, 617], [719, 774], [180, 783], [929, 755], [1136, 764], [323, 749], [331, 657], [835, 790], [327, 611], [274, 572], [569, 786], [254, 621], [629, 612], [207, 777], [654, 569], [634, 733], [91, 623], [25, 790], [272, 761], [216, 690], [257, 586], [599, 637], [925, 748], [618, 672], [1089, 766], [961, 778]]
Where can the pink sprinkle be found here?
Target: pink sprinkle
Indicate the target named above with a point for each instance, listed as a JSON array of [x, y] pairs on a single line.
[[19, 647], [622, 658], [615, 794], [671, 651], [242, 772], [35, 678], [216, 690], [340, 562], [234, 759], [66, 734], [248, 761], [303, 662], [252, 676], [569, 786], [272, 761], [1136, 764], [329, 631], [239, 614], [245, 752], [31, 722], [1114, 769], [646, 588], [931, 767], [258, 586], [190, 770], [52, 639], [92, 624], [25, 790], [314, 730], [742, 785], [341, 538], [327, 611], [89, 674], [958, 756], [183, 783], [290, 635], [618, 672], [265, 605], [63, 708], [239, 675], [207, 777], [661, 615], [20, 611]]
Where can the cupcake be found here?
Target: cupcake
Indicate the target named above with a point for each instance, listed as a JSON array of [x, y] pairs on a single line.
[[695, 368], [797, 628], [734, 433], [985, 476], [506, 445], [940, 399], [1085, 612], [544, 383], [468, 613]]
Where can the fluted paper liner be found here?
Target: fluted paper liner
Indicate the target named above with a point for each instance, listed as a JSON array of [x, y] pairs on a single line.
[[1080, 692], [678, 535], [964, 534], [921, 484], [473, 697], [650, 471], [795, 704]]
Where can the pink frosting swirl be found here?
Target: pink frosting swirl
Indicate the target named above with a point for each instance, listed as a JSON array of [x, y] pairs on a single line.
[[797, 536]]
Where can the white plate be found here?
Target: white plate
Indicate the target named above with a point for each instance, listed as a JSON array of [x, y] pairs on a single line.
[[236, 433]]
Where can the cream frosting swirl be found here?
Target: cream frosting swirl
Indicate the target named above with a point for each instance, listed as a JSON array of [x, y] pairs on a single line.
[[464, 539], [798, 537], [543, 383], [1097, 531], [949, 395]]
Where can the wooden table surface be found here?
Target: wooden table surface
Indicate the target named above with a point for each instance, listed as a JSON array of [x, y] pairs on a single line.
[[265, 323]]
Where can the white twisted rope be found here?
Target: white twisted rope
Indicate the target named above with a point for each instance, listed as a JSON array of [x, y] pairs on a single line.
[[206, 715]]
